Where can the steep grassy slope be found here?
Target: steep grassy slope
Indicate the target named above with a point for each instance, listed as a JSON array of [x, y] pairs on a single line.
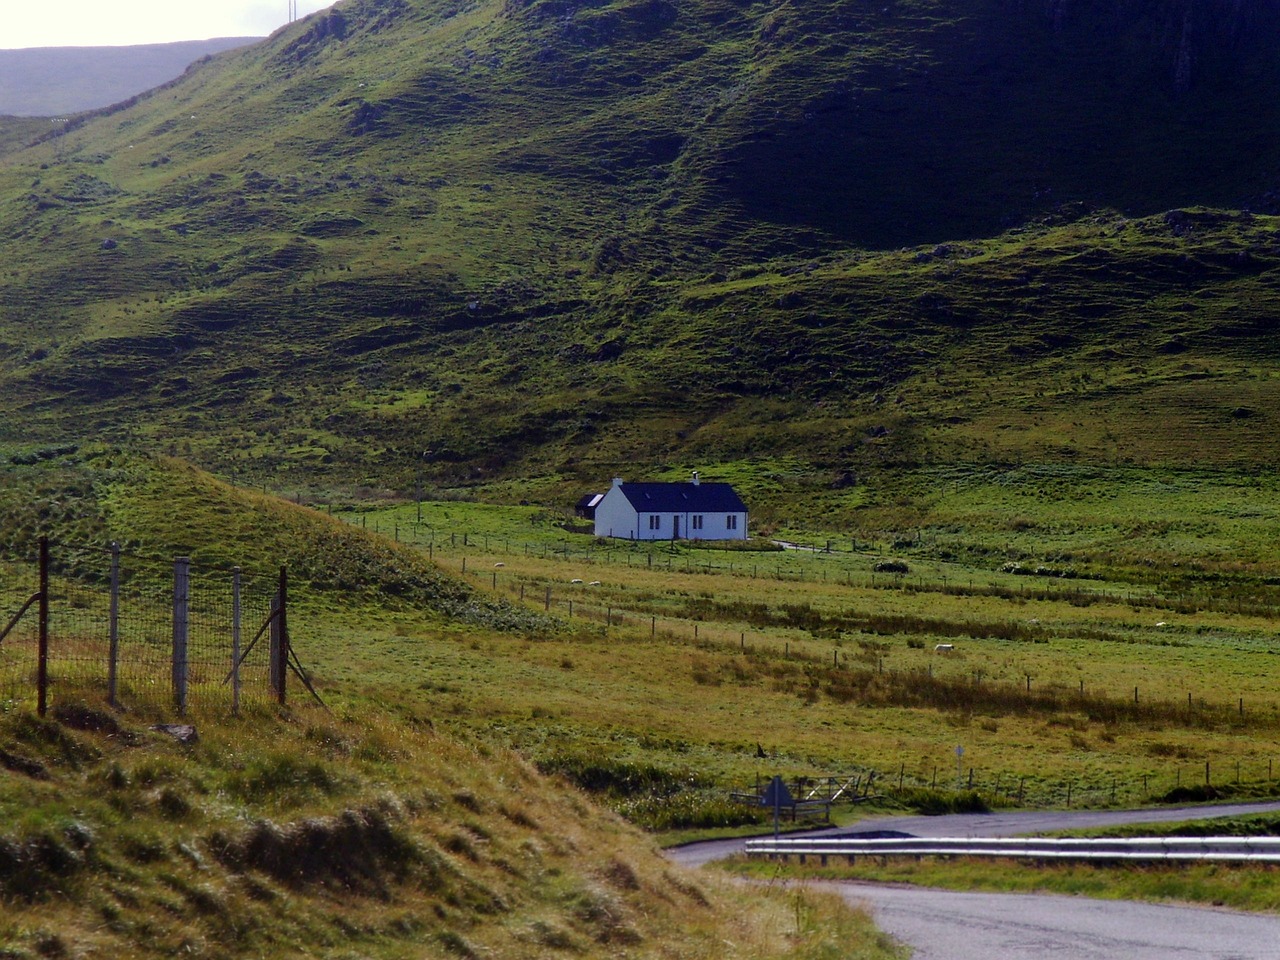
[[551, 237], [317, 836]]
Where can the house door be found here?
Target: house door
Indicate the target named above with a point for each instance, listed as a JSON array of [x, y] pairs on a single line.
[[675, 527]]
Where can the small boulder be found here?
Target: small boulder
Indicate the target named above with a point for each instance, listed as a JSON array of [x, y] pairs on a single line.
[[184, 733]]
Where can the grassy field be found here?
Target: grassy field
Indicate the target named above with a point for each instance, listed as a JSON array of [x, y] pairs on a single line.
[[1112, 676], [679, 675], [1116, 673], [375, 823]]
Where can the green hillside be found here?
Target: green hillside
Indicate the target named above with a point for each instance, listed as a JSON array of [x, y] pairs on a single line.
[[966, 286], [554, 238], [373, 824]]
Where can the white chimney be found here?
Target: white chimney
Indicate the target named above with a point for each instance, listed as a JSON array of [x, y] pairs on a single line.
[[695, 478], [617, 481]]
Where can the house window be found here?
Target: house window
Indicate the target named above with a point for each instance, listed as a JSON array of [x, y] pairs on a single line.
[[655, 522], [731, 522], [697, 521]]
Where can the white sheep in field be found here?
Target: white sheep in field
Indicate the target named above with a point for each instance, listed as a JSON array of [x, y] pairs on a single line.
[[575, 580], [944, 647], [594, 583]]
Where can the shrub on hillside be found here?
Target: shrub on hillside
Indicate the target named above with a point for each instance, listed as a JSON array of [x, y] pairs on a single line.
[[891, 566], [618, 778], [690, 810], [934, 803]]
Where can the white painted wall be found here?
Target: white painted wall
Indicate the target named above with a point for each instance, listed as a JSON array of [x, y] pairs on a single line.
[[615, 517], [715, 526]]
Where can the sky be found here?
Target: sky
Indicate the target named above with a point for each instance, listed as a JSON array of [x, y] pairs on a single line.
[[111, 23]]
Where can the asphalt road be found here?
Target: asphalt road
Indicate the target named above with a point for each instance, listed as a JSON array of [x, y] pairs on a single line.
[[944, 925]]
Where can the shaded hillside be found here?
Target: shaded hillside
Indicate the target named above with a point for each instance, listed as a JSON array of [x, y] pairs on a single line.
[[951, 121], [551, 237], [53, 81]]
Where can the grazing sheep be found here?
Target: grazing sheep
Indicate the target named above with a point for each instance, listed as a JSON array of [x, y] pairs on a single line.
[[944, 648]]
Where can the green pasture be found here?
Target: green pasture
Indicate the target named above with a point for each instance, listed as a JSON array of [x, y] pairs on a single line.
[[1096, 680], [1112, 678], [386, 821]]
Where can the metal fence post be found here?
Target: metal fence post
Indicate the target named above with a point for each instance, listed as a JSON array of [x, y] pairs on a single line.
[[42, 665], [235, 641], [181, 629], [113, 663]]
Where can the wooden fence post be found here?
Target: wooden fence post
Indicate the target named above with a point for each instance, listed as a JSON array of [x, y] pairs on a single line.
[[273, 641], [235, 641], [113, 627], [42, 665], [282, 653], [181, 630]]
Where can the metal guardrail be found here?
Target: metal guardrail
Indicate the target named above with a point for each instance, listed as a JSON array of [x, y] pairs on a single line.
[[1255, 849]]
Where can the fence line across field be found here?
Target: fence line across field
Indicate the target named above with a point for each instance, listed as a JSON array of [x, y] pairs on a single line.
[[807, 563], [137, 630], [940, 786], [1013, 788], [550, 598], [1003, 786]]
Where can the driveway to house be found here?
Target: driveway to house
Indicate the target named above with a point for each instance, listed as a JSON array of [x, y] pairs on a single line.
[[945, 925]]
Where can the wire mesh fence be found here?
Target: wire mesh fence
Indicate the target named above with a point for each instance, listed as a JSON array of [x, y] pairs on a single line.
[[135, 631]]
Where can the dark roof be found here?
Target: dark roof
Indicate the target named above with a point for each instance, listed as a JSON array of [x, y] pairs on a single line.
[[682, 497]]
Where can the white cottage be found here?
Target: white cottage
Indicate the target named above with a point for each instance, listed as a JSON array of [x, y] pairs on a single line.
[[671, 511]]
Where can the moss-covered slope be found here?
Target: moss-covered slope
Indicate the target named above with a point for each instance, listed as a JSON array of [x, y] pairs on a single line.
[[549, 237]]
